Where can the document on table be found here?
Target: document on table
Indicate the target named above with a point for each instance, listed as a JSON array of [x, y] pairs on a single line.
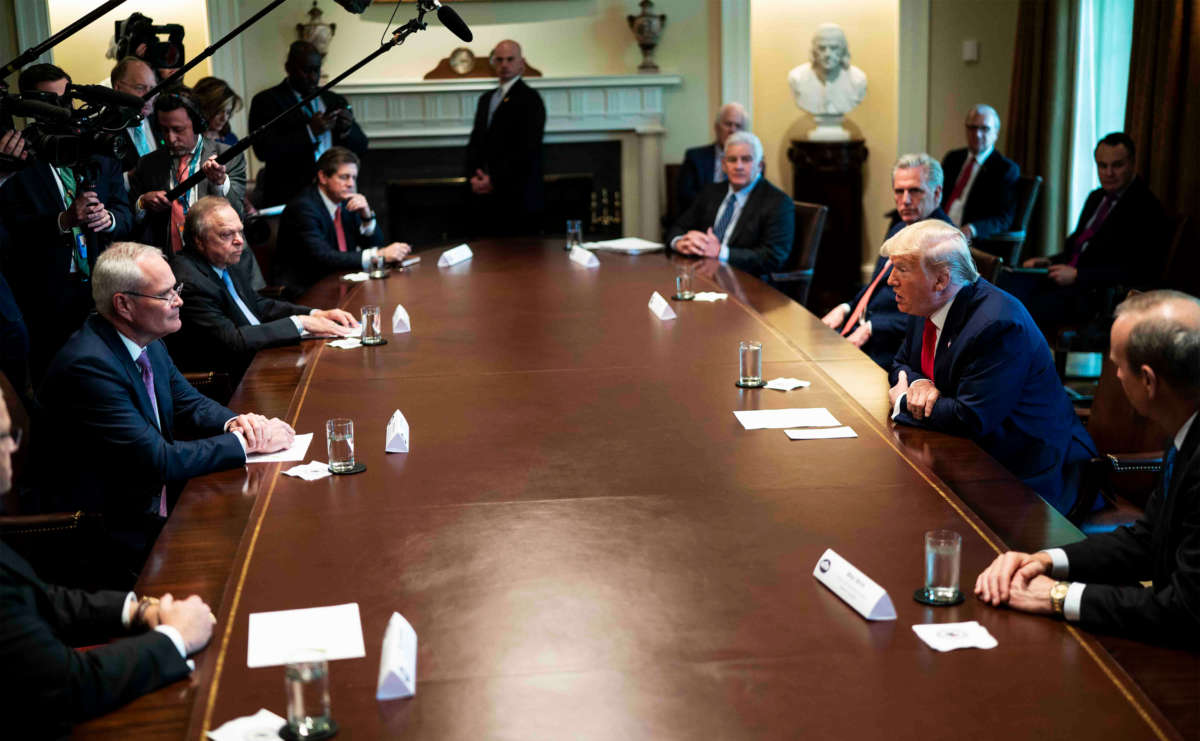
[[628, 245], [821, 433], [775, 419], [295, 453], [283, 636]]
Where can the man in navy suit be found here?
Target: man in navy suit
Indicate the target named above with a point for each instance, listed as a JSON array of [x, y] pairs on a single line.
[[136, 431], [329, 227], [702, 165], [504, 154], [980, 192], [40, 624], [289, 152], [974, 364], [224, 320], [59, 219], [871, 322], [1155, 344], [746, 222]]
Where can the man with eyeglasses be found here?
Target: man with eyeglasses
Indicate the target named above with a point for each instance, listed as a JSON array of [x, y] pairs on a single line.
[[125, 429], [980, 192], [132, 76]]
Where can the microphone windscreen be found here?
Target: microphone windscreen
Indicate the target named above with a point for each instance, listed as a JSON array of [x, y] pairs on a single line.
[[39, 110], [454, 23], [106, 96], [354, 6]]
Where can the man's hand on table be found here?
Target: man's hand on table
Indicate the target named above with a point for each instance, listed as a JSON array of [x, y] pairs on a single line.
[[1015, 579], [836, 316]]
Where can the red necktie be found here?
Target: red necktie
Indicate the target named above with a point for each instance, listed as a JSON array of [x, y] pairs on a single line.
[[928, 348], [177, 213], [862, 304], [337, 228], [963, 179], [1089, 232]]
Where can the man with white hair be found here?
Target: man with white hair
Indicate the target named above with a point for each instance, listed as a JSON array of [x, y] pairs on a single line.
[[746, 222], [980, 193], [973, 363], [702, 165]]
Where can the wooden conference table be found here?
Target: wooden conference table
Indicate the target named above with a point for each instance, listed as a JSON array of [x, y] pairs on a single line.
[[590, 546]]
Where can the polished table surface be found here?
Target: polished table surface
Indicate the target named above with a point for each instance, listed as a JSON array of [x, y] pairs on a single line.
[[589, 545]]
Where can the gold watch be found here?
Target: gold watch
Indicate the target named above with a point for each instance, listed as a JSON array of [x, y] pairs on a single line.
[[1058, 595]]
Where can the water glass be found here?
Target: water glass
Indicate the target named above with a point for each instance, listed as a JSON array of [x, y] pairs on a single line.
[[750, 364], [378, 266], [683, 283], [574, 234], [943, 561], [307, 686], [372, 334], [339, 437]]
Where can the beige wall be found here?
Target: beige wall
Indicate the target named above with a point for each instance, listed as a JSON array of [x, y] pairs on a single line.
[[955, 85], [560, 37], [780, 31], [8, 38], [82, 55]]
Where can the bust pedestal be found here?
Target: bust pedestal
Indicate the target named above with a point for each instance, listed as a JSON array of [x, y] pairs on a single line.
[[830, 173]]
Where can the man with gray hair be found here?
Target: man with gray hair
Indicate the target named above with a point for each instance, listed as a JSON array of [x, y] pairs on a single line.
[[870, 321], [1155, 344], [702, 165], [974, 364], [113, 392], [746, 222], [980, 193]]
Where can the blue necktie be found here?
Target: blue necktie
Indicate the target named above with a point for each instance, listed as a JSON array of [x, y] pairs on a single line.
[[726, 217], [1168, 469], [238, 299]]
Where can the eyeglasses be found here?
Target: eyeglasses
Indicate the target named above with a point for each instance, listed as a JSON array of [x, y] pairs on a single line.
[[14, 435], [172, 293]]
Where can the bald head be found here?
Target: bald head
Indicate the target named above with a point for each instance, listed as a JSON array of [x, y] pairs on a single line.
[[507, 60], [983, 126], [730, 119]]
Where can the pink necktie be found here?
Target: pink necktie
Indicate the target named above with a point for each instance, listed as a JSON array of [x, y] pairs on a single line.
[[862, 304]]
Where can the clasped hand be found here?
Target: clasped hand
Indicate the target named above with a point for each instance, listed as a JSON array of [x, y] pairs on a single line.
[[87, 212], [704, 244], [263, 435], [1018, 580], [921, 395]]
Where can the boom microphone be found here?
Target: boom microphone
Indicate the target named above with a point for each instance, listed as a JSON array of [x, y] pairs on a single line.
[[106, 96], [36, 109], [450, 19]]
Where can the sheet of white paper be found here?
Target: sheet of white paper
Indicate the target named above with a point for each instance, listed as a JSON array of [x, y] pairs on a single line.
[[356, 277], [276, 638], [583, 257], [628, 245], [296, 452], [786, 384], [400, 321], [950, 636], [346, 343], [263, 725], [821, 433], [710, 296], [397, 660], [413, 260], [775, 419], [854, 587], [455, 255], [660, 307], [310, 471], [397, 434]]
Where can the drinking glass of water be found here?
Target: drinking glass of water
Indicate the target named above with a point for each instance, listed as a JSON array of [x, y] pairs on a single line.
[[574, 234], [943, 561], [307, 685], [339, 436], [750, 365], [371, 325]]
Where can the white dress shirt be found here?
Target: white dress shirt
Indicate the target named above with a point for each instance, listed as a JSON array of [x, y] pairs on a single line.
[[956, 209]]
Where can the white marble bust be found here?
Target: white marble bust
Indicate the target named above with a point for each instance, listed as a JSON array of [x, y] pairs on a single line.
[[828, 86]]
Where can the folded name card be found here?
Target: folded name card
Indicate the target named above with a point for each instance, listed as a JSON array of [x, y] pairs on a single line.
[[398, 660], [584, 258], [455, 255], [854, 587], [400, 323], [660, 307], [397, 434]]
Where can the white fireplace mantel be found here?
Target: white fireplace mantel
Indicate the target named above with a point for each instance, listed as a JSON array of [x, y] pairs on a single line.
[[628, 108]]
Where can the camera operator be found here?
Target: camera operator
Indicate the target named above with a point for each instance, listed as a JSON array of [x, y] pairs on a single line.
[[59, 219]]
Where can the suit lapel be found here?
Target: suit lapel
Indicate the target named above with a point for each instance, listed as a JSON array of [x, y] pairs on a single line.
[[133, 374], [950, 331], [747, 218], [162, 388]]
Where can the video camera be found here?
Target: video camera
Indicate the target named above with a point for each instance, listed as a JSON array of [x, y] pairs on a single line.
[[64, 134], [138, 36]]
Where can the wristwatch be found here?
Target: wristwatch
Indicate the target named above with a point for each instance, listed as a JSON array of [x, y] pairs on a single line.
[[1058, 595]]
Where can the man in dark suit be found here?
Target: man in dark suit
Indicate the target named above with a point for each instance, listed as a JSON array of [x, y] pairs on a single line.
[[702, 165], [224, 320], [133, 76], [1155, 344], [504, 154], [135, 426], [59, 219], [980, 193], [40, 623], [974, 364], [1120, 240], [290, 151], [329, 227], [746, 222], [185, 152], [871, 322]]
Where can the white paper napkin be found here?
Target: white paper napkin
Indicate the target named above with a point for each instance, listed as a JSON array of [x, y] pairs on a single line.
[[356, 277], [710, 296], [346, 343], [262, 725], [786, 384], [949, 636], [310, 471]]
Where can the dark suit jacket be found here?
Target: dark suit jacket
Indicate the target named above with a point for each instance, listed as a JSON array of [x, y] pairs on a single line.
[[47, 685], [888, 323], [1164, 547], [510, 152], [1129, 249], [306, 249], [93, 396], [215, 333], [154, 172], [287, 150], [999, 387], [699, 164], [992, 203], [761, 239]]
